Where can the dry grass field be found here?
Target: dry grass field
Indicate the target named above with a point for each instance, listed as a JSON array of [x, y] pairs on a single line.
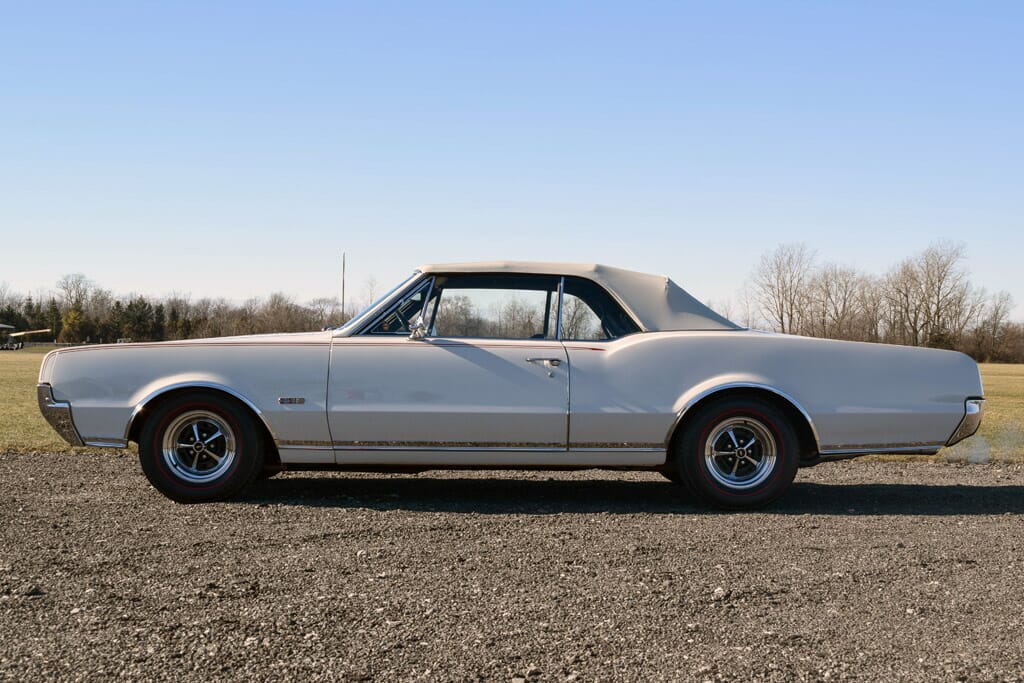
[[1001, 436]]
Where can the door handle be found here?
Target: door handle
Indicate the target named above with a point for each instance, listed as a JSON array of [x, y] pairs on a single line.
[[548, 363]]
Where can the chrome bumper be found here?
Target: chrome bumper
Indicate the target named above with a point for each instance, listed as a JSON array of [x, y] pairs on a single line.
[[974, 409], [58, 414]]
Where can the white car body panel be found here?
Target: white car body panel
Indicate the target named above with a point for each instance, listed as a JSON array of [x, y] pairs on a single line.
[[336, 397], [108, 384], [446, 394]]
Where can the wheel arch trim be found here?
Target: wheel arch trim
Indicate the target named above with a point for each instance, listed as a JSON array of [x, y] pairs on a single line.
[[141, 405], [691, 401]]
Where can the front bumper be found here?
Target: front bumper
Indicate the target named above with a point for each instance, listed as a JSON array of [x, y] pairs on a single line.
[[974, 410], [58, 414]]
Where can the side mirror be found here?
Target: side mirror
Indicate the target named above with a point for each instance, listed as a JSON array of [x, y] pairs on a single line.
[[418, 328]]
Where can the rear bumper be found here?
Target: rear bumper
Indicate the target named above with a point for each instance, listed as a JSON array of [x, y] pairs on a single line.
[[974, 410], [58, 414]]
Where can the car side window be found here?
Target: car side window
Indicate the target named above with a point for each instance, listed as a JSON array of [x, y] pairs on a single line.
[[508, 307], [496, 306], [589, 313], [401, 316]]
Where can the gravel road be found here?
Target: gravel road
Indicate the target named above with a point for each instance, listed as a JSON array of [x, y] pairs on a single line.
[[865, 571]]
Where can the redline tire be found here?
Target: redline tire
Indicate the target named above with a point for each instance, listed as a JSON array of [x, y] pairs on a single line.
[[738, 453], [199, 447], [673, 476]]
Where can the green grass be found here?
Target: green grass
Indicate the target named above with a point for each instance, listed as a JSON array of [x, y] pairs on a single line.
[[1001, 436], [22, 427]]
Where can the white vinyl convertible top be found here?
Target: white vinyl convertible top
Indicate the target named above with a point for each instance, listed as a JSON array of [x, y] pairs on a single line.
[[656, 302]]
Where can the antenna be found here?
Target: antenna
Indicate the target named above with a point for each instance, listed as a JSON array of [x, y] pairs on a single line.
[[342, 284]]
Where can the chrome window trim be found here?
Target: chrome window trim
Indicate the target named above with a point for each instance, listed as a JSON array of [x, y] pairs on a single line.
[[426, 302], [414, 286], [359, 325], [622, 304], [640, 329], [561, 292], [390, 305]]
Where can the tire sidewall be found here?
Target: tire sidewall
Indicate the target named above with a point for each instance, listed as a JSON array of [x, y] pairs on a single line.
[[690, 461], [247, 463]]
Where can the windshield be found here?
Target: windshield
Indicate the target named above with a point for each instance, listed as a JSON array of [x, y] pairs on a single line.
[[372, 308]]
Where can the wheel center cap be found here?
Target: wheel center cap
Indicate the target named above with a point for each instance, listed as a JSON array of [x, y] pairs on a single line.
[[741, 452], [199, 447]]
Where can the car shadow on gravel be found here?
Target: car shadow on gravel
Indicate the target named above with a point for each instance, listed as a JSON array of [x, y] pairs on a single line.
[[555, 496]]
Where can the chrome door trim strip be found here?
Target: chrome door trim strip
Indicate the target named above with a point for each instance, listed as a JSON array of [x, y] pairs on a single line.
[[105, 443], [448, 449], [451, 445], [474, 446], [868, 449], [615, 446]]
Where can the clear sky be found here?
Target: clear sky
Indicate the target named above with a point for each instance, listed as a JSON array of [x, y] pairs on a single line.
[[238, 148]]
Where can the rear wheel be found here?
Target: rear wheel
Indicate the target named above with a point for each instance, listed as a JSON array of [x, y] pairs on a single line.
[[738, 453], [199, 447]]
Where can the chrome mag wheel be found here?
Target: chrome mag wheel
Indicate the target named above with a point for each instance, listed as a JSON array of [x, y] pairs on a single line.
[[740, 453], [199, 446]]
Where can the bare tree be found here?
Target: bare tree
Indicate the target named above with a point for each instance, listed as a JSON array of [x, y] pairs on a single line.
[[457, 317], [871, 310], [931, 298], [326, 311], [74, 290], [832, 302], [578, 321], [780, 285], [990, 339], [905, 315]]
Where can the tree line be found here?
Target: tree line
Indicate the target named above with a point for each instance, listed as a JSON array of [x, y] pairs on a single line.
[[78, 311], [925, 300]]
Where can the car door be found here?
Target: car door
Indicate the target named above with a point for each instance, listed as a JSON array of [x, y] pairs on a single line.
[[489, 376]]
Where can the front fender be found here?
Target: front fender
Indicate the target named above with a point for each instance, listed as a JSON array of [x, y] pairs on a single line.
[[154, 390]]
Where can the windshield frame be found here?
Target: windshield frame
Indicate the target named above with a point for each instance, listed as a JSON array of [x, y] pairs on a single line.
[[368, 314]]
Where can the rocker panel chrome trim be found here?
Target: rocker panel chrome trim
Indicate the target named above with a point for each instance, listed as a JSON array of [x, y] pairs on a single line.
[[474, 446], [915, 449], [105, 443]]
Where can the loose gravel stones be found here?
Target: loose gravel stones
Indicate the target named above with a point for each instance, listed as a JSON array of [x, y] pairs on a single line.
[[864, 571]]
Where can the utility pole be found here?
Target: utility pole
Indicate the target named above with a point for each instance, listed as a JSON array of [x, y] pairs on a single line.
[[342, 284]]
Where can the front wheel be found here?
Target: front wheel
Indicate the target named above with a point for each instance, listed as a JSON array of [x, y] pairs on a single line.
[[199, 447], [738, 453]]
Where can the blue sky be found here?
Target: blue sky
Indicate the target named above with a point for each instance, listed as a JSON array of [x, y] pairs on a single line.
[[237, 149]]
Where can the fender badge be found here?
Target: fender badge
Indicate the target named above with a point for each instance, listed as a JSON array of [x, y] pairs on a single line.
[[291, 400]]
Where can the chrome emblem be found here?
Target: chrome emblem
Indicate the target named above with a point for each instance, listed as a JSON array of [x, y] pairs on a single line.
[[291, 400]]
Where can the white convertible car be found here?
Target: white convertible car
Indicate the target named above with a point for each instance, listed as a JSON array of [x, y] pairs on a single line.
[[513, 365]]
